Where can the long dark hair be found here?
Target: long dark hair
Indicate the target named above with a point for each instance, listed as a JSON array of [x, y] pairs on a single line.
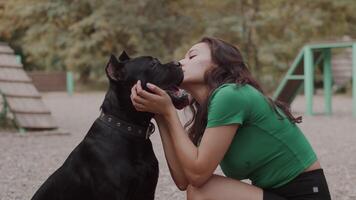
[[230, 69]]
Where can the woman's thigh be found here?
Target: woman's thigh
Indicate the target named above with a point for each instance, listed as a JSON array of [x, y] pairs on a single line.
[[223, 188]]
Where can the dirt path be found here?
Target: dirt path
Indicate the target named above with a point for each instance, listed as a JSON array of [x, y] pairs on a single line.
[[26, 161]]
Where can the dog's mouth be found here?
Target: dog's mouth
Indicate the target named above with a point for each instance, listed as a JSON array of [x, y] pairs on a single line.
[[179, 97]]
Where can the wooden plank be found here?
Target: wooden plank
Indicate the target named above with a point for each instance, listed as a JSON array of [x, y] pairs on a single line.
[[35, 121], [27, 105], [342, 68], [5, 49], [288, 93], [342, 62], [19, 89], [13, 75], [294, 67], [9, 60], [49, 81], [346, 73]]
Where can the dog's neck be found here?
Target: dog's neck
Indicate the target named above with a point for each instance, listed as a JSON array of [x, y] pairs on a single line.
[[120, 106]]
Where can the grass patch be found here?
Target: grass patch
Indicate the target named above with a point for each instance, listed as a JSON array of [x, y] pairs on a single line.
[[7, 125]]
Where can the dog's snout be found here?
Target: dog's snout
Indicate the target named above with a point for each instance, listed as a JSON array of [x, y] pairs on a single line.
[[176, 63]]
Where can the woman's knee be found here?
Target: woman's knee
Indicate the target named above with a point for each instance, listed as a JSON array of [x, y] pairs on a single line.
[[194, 193], [201, 192]]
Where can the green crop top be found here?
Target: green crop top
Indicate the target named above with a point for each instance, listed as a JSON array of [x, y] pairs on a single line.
[[268, 151]]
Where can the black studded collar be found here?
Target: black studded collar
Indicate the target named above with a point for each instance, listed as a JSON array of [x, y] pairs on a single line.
[[133, 129]]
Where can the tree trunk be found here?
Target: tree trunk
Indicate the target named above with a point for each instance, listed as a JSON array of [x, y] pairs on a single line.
[[84, 75]]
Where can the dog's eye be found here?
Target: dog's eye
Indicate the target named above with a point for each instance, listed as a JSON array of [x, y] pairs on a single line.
[[190, 57]]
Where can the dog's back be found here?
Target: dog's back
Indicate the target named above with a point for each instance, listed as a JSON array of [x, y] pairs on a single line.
[[107, 164]]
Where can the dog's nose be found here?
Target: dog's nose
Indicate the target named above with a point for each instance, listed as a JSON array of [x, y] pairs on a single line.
[[176, 63]]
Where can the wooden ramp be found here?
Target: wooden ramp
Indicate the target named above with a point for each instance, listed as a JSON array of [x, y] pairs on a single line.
[[20, 95], [337, 71], [294, 82]]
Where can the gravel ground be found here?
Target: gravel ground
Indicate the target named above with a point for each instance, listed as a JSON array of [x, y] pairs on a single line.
[[26, 161]]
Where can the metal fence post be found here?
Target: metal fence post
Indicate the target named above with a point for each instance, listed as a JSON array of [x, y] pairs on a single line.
[[18, 59], [354, 79], [70, 83], [327, 76], [308, 79]]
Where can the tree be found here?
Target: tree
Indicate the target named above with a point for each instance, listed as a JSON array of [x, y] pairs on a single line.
[[79, 35]]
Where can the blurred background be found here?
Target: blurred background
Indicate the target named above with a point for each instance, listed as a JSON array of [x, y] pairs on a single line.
[[52, 79], [78, 36]]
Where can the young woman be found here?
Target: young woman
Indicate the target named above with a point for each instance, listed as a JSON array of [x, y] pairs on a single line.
[[235, 125]]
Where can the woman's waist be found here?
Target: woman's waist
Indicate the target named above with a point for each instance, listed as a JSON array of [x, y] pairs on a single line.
[[316, 165]]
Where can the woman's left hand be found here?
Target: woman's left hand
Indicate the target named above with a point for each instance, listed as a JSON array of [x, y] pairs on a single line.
[[157, 102]]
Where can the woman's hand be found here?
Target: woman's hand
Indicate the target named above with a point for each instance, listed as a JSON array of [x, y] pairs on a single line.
[[157, 102]]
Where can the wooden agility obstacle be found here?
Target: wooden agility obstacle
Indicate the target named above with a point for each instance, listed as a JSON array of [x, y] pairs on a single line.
[[20, 96], [301, 73]]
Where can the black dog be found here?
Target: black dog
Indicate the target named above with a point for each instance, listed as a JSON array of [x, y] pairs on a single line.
[[115, 160]]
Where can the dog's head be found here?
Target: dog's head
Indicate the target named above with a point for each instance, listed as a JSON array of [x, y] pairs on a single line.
[[124, 72]]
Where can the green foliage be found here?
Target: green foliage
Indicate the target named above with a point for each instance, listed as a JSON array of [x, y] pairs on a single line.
[[79, 35]]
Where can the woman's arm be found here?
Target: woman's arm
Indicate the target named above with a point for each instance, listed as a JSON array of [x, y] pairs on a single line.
[[199, 163], [174, 166]]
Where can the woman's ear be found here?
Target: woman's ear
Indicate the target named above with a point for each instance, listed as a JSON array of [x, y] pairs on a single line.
[[115, 69]]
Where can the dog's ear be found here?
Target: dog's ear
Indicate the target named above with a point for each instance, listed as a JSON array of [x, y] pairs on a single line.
[[124, 56], [115, 69]]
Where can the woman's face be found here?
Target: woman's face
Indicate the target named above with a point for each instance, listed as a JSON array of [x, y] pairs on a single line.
[[195, 63]]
